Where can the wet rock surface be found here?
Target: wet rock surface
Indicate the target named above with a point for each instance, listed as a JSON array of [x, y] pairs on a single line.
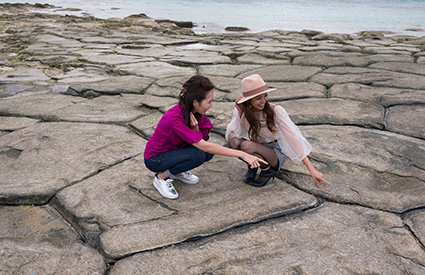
[[80, 97]]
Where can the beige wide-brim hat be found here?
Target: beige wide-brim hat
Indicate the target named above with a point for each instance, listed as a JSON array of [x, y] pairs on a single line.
[[253, 86]]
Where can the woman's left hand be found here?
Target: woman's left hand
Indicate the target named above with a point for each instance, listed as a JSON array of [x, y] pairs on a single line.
[[318, 177]]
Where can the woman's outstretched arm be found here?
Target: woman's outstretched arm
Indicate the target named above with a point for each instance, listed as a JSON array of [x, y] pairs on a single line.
[[213, 148], [316, 175]]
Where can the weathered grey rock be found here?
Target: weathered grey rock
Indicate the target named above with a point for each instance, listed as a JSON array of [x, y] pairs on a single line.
[[416, 222], [155, 69], [82, 75], [379, 95], [185, 58], [407, 119], [203, 209], [115, 109], [335, 111], [338, 75], [8, 89], [295, 90], [30, 75], [147, 124], [161, 103], [258, 59], [114, 85], [53, 59], [62, 42], [95, 209], [401, 67], [226, 70], [330, 61], [338, 236], [370, 171], [55, 155], [285, 73], [165, 40], [106, 40], [16, 123], [148, 51], [114, 59], [35, 105], [36, 240], [389, 58]]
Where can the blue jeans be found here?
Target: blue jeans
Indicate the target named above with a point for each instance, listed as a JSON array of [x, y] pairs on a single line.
[[177, 161]]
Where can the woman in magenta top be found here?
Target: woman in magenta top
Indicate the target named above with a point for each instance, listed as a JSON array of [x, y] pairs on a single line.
[[179, 142]]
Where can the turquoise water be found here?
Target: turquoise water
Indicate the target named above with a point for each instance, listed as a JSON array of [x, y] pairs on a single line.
[[329, 16]]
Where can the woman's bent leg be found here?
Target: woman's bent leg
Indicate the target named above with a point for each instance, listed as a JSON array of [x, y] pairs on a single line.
[[260, 150], [179, 160]]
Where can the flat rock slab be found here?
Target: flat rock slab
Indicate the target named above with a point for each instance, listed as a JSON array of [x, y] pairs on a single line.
[[114, 85], [39, 160], [288, 73], [401, 67], [334, 111], [56, 107], [379, 95], [407, 119], [365, 166], [331, 61], [226, 69], [330, 239], [82, 75], [30, 75], [383, 78], [155, 70], [114, 59], [36, 240], [220, 201], [16, 123], [195, 58]]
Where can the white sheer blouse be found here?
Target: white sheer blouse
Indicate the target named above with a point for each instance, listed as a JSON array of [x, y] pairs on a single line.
[[288, 135]]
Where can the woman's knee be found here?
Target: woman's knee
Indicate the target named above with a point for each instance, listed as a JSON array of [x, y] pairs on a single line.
[[235, 143], [247, 146]]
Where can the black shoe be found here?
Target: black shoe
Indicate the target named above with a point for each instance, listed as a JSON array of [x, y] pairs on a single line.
[[264, 177], [250, 175]]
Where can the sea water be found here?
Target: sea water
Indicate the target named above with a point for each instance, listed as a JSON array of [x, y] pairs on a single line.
[[329, 16]]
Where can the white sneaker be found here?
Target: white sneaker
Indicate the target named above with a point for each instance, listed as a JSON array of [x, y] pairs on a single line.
[[186, 177], [166, 188]]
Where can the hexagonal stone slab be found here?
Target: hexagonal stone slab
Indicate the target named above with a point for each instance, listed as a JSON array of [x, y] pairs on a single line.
[[35, 240], [113, 109], [16, 123], [114, 85], [39, 160], [383, 78], [334, 111], [330, 239], [286, 73], [380, 95], [368, 167], [154, 69], [407, 119], [220, 201]]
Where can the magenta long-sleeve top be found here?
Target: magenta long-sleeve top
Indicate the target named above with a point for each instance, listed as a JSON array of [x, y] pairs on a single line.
[[172, 133]]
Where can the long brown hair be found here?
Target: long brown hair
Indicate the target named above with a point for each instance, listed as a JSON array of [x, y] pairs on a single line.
[[197, 88], [254, 123]]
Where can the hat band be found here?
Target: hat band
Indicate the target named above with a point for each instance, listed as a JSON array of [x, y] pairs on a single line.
[[255, 91]]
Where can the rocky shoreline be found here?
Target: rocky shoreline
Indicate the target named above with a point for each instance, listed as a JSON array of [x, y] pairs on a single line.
[[80, 96]]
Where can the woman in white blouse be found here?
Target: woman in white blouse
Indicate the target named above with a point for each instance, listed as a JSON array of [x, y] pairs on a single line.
[[265, 130]]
